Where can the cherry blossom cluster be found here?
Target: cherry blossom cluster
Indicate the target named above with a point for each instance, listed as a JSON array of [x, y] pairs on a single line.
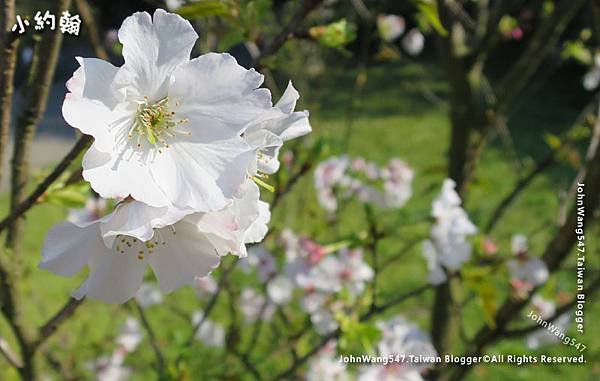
[[340, 177], [180, 145], [399, 340], [329, 280], [526, 271], [448, 248]]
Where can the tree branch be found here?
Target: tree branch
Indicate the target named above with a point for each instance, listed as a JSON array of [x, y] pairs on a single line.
[[38, 88], [7, 63], [277, 42], [160, 359], [554, 254], [39, 191], [46, 330]]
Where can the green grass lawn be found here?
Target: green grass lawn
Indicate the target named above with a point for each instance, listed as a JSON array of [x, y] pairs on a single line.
[[397, 115]]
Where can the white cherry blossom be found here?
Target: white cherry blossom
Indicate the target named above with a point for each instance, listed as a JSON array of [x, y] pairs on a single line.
[[177, 245], [209, 333], [325, 365], [390, 26], [205, 286], [131, 335], [148, 295], [279, 289], [413, 42], [448, 247], [267, 135], [166, 128], [546, 309], [399, 338], [525, 268], [252, 304]]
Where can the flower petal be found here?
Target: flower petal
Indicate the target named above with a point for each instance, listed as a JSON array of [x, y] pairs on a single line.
[[184, 256], [117, 177], [228, 92], [136, 219], [114, 277], [67, 246], [202, 177], [153, 48]]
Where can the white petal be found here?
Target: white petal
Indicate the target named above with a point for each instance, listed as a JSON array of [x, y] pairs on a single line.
[[114, 277], [116, 177], [136, 219], [92, 117], [226, 228], [202, 177], [153, 48], [67, 246], [185, 256], [93, 80], [287, 102], [257, 231], [215, 86]]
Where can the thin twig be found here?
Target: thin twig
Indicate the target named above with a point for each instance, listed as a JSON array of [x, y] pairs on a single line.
[[10, 356], [39, 191], [55, 321], [160, 359], [374, 310], [288, 31]]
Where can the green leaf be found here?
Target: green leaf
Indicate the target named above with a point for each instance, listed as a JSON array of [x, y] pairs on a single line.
[[429, 9], [72, 196], [334, 35], [203, 8], [577, 51], [553, 141]]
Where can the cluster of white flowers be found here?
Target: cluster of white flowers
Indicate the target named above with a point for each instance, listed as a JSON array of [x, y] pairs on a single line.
[[391, 27], [321, 274], [399, 338], [448, 247], [546, 309], [325, 365], [211, 334], [526, 271], [178, 143], [112, 368], [341, 177]]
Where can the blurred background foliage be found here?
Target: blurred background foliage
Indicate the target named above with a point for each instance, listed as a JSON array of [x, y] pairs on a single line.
[[368, 97]]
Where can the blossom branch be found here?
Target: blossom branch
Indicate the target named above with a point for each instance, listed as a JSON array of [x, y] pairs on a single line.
[[373, 311], [555, 253], [589, 291]]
